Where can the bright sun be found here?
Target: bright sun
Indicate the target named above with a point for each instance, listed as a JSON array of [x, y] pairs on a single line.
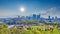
[[22, 9]]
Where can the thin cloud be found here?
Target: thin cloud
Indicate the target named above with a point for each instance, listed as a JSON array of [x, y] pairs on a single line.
[[49, 12]]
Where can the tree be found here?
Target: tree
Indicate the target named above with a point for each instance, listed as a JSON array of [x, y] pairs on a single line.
[[15, 30]]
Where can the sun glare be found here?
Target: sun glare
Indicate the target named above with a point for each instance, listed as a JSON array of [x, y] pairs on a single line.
[[22, 9]]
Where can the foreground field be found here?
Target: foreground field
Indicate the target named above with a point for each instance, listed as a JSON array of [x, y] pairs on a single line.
[[31, 30]]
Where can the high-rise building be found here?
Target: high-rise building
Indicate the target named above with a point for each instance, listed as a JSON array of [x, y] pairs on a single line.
[[49, 18], [34, 16], [18, 18], [55, 18], [27, 17], [38, 17], [52, 18]]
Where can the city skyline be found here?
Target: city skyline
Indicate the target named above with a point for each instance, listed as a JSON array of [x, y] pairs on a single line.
[[11, 8]]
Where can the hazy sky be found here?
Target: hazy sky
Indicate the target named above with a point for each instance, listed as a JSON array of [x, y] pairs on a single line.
[[10, 8]]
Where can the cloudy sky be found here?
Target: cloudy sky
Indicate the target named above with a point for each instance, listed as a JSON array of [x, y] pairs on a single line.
[[11, 8]]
